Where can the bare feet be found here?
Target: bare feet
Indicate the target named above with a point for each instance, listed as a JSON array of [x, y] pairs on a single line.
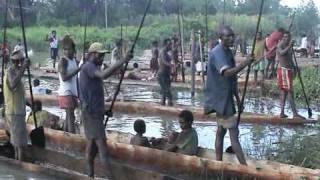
[[298, 116], [283, 116]]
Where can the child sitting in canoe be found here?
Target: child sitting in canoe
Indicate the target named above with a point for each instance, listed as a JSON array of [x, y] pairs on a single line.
[[140, 128], [185, 142]]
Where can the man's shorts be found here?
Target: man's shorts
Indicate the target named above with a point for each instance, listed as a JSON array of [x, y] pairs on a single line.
[[227, 122], [285, 78], [68, 102]]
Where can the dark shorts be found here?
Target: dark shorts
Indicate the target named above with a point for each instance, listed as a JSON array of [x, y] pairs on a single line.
[[93, 125], [54, 53], [165, 84]]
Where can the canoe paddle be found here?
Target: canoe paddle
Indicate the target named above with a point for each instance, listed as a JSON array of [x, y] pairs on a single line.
[[301, 82], [240, 106], [109, 112], [4, 47], [37, 135]]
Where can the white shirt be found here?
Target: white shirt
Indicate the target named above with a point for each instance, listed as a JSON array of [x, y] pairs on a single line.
[[304, 43], [69, 87], [54, 42]]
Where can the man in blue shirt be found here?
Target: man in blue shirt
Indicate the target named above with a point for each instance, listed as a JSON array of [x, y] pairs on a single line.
[[92, 104], [221, 87]]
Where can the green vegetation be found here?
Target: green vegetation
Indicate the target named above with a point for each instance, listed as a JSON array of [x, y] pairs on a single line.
[[311, 79]]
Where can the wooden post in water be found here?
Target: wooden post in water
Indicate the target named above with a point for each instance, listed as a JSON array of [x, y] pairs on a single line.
[[179, 17], [193, 56], [201, 58]]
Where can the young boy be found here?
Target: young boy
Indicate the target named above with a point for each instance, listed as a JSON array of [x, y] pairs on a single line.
[[140, 127], [187, 140]]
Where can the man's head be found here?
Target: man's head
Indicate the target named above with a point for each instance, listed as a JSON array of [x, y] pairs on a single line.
[[54, 33], [227, 36], [37, 106], [17, 57], [185, 119], [167, 44], [119, 43], [36, 82], [96, 53], [282, 30], [139, 126], [286, 38], [19, 41], [155, 43], [69, 47], [135, 65], [259, 35]]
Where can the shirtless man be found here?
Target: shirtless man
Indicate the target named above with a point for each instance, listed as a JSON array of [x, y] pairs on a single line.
[[286, 73]]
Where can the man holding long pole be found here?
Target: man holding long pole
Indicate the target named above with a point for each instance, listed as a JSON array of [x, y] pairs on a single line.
[[285, 74], [92, 105]]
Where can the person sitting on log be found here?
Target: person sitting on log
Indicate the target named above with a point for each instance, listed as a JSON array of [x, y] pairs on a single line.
[[186, 141], [37, 89], [140, 128], [44, 118]]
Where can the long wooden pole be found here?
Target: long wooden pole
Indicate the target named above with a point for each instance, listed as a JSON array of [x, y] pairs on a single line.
[[126, 65], [193, 52], [181, 41], [4, 46], [240, 107]]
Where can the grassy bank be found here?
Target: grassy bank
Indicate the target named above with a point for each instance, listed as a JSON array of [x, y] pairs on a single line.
[[156, 28]]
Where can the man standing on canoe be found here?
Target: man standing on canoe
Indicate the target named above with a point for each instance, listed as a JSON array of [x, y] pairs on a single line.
[[286, 73], [164, 73], [15, 102], [221, 87], [68, 91], [154, 64], [92, 104]]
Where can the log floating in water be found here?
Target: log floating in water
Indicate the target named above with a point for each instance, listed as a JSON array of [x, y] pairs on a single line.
[[156, 109]]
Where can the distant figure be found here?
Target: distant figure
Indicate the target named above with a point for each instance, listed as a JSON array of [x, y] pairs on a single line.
[[15, 103], [285, 74], [5, 53], [187, 140], [44, 118], [260, 58], [68, 91], [154, 63], [18, 46], [221, 89], [165, 73], [140, 128], [53, 43], [302, 49], [38, 90], [175, 58], [271, 45], [116, 52]]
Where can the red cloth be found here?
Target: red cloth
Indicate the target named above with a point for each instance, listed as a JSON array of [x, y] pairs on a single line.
[[272, 42], [285, 78], [68, 102]]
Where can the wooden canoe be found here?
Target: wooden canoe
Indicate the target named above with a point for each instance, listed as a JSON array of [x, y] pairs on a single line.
[[148, 108], [52, 172], [153, 83], [71, 148]]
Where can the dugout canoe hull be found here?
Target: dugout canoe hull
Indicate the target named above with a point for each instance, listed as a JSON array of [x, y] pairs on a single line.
[[148, 108], [146, 163]]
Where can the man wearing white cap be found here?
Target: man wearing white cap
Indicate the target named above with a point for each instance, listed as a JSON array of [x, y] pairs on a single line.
[[92, 104], [15, 109]]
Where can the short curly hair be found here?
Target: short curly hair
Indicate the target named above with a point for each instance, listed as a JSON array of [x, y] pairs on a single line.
[[139, 126]]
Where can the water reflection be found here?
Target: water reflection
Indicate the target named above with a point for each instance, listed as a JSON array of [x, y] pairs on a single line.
[[259, 105]]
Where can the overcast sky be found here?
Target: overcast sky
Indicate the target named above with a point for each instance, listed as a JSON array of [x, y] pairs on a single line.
[[296, 3]]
